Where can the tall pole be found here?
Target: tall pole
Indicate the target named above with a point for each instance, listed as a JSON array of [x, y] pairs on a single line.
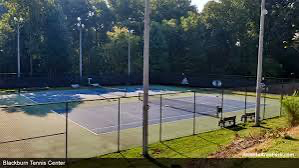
[[146, 76], [80, 52], [260, 64], [129, 57], [19, 55]]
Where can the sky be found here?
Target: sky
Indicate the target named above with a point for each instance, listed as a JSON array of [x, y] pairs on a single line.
[[199, 3]]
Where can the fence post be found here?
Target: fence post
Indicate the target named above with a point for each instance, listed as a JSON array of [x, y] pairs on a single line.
[[161, 117], [126, 92], [222, 99], [265, 95], [194, 112], [281, 98], [66, 131], [118, 126], [245, 110]]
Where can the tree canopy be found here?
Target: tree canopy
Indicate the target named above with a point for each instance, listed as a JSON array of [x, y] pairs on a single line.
[[222, 39]]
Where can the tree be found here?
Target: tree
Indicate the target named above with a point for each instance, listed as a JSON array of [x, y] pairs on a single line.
[[114, 59], [57, 37], [222, 39]]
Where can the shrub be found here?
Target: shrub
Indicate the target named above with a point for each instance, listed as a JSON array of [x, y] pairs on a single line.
[[291, 106]]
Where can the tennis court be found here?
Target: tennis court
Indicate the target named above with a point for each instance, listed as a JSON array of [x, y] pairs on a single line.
[[105, 120], [103, 117]]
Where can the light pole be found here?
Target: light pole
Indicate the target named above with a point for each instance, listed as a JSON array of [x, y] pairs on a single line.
[[80, 26], [129, 55], [18, 22], [146, 77], [260, 64], [90, 15]]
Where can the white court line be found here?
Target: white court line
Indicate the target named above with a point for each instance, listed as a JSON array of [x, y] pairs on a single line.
[[230, 106], [157, 120], [207, 103], [61, 115], [29, 99], [152, 120], [230, 110], [131, 123], [87, 129], [136, 122]]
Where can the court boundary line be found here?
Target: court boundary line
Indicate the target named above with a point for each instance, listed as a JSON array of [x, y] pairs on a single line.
[[29, 98], [136, 122], [97, 134], [61, 115], [204, 102], [207, 102], [87, 129]]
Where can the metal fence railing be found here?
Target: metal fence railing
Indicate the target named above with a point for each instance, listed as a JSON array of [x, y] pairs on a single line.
[[82, 129]]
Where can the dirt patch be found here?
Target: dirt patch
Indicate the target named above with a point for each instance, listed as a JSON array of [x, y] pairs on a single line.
[[258, 148], [237, 146], [294, 132], [255, 143]]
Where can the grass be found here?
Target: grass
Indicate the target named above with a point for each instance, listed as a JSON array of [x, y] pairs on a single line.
[[198, 146], [182, 147], [282, 145], [206, 143]]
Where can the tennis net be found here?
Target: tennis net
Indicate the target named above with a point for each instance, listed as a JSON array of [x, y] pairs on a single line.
[[183, 105]]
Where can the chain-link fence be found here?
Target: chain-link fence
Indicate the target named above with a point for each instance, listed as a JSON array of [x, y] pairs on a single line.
[[83, 129]]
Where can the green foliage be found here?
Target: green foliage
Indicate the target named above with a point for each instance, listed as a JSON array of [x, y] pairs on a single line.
[[222, 39], [115, 55], [291, 105]]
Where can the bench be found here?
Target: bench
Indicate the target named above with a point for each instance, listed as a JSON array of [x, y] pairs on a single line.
[[230, 120], [246, 116]]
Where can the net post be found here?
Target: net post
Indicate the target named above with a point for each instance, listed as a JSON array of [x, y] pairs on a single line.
[[66, 132], [194, 112], [118, 125], [161, 105]]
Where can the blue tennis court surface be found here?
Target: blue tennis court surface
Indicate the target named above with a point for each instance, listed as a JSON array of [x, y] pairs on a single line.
[[56, 96]]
